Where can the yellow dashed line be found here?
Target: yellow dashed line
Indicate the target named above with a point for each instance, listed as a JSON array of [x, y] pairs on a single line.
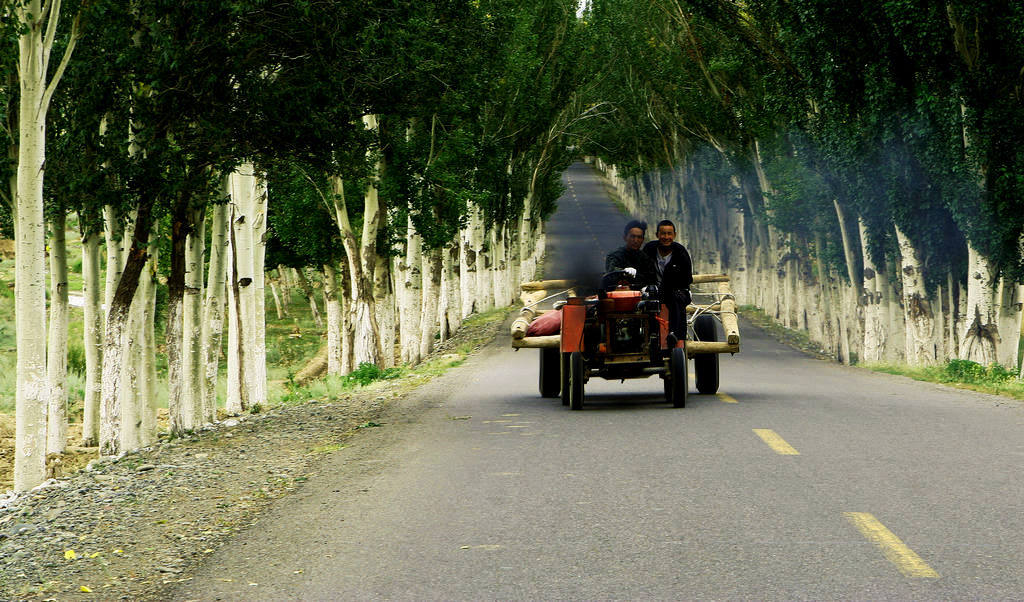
[[908, 563], [725, 397], [776, 442]]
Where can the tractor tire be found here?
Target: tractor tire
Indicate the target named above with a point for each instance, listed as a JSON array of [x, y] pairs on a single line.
[[677, 379], [564, 366], [705, 365], [550, 372], [577, 370]]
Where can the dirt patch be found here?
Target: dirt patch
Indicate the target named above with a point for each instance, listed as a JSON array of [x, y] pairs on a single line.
[[129, 528]]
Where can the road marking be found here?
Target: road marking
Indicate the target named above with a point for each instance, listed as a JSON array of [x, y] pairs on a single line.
[[776, 442], [725, 397], [909, 563]]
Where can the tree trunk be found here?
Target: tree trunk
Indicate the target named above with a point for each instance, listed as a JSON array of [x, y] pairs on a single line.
[[193, 360], [993, 314], [431, 288], [412, 297], [467, 272], [117, 318], [147, 389], [876, 313], [114, 236], [920, 318], [384, 301], [334, 322], [213, 312], [57, 348], [92, 338], [257, 372], [182, 417], [275, 290], [237, 395]]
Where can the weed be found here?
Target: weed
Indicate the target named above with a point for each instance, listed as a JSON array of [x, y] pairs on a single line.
[[367, 373], [369, 424]]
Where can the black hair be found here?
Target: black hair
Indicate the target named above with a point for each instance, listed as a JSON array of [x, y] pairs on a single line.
[[634, 224], [665, 222]]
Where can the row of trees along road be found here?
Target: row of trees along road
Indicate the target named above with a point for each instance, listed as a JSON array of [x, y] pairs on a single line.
[[408, 151], [857, 167]]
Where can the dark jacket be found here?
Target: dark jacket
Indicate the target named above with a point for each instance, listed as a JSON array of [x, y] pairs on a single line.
[[678, 274], [622, 258]]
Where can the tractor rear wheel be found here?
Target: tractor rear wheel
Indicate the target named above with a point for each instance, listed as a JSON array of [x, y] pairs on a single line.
[[705, 365], [577, 370], [550, 372], [677, 380]]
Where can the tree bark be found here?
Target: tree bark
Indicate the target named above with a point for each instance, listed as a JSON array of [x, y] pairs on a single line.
[[92, 338], [412, 297], [332, 301], [918, 311], [57, 348], [213, 311], [193, 360], [431, 288]]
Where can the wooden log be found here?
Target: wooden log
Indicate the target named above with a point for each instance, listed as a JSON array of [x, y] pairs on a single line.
[[540, 285], [522, 323], [705, 278], [729, 321], [713, 307], [532, 297], [553, 341], [698, 347]]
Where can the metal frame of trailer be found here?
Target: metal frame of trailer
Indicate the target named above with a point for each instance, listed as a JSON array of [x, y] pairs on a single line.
[[623, 334]]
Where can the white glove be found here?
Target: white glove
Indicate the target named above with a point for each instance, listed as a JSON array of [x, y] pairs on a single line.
[[631, 272]]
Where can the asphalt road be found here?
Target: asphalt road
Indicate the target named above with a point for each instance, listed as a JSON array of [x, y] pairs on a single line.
[[804, 479]]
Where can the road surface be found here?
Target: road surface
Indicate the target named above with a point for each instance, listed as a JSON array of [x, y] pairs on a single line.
[[803, 479]]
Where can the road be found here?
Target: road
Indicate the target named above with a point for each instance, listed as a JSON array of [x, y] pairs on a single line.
[[804, 479]]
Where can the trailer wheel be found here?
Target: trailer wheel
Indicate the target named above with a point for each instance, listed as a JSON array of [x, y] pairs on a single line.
[[576, 377], [550, 372], [677, 382], [705, 365], [564, 366]]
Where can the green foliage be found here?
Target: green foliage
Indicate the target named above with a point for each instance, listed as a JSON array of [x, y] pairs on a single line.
[[367, 373], [966, 371]]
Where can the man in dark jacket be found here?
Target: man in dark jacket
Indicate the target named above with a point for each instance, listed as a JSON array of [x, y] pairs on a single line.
[[675, 274], [631, 259]]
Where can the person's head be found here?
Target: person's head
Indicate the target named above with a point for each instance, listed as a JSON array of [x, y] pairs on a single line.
[[633, 234], [666, 233]]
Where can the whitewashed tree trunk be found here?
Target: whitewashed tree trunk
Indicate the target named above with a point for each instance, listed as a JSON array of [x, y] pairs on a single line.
[[236, 399], [993, 314], [484, 263], [92, 338], [275, 290], [431, 289], [384, 301], [115, 238], [148, 384], [919, 314], [284, 277], [876, 312], [444, 328], [1010, 295], [258, 356], [412, 297], [453, 287], [213, 311], [193, 360], [57, 347], [467, 272], [332, 300], [34, 44]]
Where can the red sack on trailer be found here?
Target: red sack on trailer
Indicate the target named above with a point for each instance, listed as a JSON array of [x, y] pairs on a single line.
[[545, 324]]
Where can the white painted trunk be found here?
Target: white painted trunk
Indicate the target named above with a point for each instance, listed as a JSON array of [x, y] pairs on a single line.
[[113, 357], [484, 263], [92, 339], [275, 290], [257, 372], [384, 301], [876, 312], [452, 287], [431, 290], [444, 300], [57, 348], [993, 314], [213, 310], [921, 349], [115, 238], [467, 273], [248, 198], [235, 401], [411, 297], [332, 300], [192, 414], [148, 384], [30, 258]]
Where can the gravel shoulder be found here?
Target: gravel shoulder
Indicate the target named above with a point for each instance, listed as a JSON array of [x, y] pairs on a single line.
[[130, 528]]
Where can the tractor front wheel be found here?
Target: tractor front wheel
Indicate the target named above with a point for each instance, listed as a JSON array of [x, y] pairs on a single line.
[[577, 374]]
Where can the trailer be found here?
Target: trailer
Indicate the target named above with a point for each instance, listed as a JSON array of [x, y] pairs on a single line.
[[623, 334]]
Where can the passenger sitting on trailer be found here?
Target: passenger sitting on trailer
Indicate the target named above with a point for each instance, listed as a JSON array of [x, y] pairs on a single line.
[[631, 260], [675, 274]]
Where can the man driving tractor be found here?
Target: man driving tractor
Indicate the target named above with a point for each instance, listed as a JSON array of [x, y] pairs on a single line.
[[630, 259]]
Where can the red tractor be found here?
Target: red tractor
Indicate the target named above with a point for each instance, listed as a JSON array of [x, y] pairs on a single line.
[[622, 334]]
